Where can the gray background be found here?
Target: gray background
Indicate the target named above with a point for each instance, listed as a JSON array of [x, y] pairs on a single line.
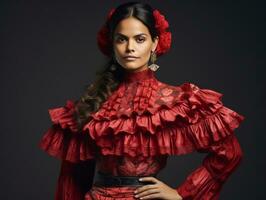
[[49, 53]]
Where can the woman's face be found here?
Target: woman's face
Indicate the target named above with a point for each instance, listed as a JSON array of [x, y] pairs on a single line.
[[132, 38]]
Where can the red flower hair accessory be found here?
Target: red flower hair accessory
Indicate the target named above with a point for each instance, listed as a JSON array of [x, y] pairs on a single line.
[[161, 25]]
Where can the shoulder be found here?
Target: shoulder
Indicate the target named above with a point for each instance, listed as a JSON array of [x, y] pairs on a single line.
[[185, 87], [187, 91], [165, 88]]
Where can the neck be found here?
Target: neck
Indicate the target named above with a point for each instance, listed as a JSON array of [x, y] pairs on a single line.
[[135, 76]]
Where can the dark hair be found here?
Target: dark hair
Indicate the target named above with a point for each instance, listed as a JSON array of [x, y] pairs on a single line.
[[111, 75]]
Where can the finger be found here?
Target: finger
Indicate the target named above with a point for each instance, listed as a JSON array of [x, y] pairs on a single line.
[[152, 196], [147, 192], [150, 179], [144, 188]]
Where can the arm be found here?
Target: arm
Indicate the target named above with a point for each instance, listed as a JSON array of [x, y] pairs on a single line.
[[206, 181], [74, 148], [74, 180]]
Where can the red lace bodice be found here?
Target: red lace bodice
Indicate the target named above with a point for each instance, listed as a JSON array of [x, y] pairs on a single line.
[[136, 128], [131, 166]]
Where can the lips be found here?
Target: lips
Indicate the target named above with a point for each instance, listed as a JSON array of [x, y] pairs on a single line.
[[130, 57]]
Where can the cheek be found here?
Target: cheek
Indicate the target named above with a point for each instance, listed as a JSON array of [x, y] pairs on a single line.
[[144, 51], [118, 50], [145, 47]]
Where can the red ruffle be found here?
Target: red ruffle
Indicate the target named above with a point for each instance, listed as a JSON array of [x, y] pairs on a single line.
[[63, 141], [195, 118], [63, 116], [156, 119]]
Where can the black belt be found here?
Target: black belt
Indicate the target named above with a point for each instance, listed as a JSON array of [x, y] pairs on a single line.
[[107, 180]]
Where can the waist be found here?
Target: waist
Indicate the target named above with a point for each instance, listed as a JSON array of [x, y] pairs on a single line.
[[107, 180]]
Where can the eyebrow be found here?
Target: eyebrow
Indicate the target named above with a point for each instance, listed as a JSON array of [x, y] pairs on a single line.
[[134, 36]]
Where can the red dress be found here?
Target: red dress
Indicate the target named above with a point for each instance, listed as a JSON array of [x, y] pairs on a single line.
[[136, 129]]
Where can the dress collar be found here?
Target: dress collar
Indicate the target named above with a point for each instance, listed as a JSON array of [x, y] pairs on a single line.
[[131, 77]]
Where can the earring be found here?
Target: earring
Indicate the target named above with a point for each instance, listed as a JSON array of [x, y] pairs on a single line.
[[153, 58], [113, 66]]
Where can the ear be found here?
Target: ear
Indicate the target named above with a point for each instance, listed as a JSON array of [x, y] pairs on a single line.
[[155, 43]]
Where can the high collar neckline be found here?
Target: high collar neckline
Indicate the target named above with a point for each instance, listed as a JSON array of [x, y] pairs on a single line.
[[131, 76]]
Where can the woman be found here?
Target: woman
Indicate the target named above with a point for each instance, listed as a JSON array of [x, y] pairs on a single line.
[[128, 122]]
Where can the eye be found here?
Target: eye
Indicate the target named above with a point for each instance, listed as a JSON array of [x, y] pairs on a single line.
[[120, 39], [141, 39]]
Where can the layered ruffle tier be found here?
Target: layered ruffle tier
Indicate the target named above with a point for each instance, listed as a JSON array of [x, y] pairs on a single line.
[[147, 118]]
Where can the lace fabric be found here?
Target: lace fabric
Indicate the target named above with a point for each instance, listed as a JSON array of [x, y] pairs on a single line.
[[131, 166]]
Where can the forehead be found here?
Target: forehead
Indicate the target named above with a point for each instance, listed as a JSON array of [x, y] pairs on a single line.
[[130, 27]]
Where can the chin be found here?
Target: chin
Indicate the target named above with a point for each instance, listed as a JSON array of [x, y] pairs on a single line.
[[130, 66]]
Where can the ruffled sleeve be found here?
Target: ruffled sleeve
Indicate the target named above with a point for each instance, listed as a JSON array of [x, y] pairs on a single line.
[[75, 149], [211, 132], [209, 120], [63, 141]]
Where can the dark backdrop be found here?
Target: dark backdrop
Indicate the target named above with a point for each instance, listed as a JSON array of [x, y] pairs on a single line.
[[49, 53]]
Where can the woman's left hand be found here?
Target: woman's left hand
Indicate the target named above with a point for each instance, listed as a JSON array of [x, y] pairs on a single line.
[[156, 190]]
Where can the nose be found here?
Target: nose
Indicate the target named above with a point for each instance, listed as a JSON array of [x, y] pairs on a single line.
[[130, 46]]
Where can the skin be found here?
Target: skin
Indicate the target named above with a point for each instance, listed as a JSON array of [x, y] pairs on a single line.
[[156, 190], [136, 40]]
